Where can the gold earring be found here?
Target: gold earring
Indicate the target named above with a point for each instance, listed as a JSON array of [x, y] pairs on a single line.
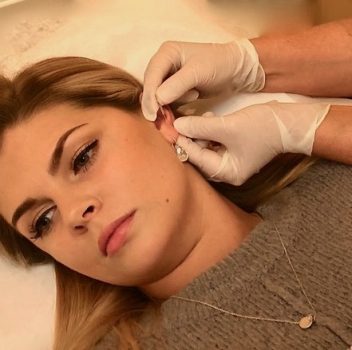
[[182, 155]]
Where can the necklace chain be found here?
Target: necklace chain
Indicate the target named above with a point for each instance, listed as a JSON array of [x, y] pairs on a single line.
[[305, 322]]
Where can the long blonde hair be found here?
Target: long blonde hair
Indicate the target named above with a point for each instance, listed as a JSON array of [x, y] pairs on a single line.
[[87, 309]]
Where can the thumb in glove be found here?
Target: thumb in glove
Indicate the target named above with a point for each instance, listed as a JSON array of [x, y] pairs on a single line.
[[206, 155]]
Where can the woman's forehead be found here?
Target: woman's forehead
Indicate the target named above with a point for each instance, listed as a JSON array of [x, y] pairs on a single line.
[[38, 129], [50, 123]]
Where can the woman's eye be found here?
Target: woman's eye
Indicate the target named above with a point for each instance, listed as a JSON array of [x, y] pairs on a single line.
[[82, 161], [42, 224], [85, 158]]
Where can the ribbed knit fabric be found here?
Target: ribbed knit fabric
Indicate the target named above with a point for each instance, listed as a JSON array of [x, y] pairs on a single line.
[[314, 217]]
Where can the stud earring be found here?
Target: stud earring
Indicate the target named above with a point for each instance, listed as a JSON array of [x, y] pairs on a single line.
[[182, 155]]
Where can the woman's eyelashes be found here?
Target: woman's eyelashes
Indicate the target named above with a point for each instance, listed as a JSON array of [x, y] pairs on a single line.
[[82, 160], [85, 157], [42, 224]]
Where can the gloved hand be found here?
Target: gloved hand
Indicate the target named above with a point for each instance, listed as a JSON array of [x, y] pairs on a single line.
[[249, 138], [208, 68]]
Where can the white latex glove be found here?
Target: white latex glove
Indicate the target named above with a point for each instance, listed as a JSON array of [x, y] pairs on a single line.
[[249, 138], [194, 69]]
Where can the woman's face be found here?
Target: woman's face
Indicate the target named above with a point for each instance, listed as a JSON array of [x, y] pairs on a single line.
[[112, 162]]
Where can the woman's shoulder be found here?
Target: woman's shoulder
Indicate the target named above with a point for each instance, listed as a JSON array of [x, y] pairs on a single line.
[[325, 181], [325, 187], [326, 174], [325, 184], [312, 217]]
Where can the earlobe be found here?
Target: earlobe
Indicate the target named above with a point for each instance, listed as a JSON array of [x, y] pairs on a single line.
[[164, 123]]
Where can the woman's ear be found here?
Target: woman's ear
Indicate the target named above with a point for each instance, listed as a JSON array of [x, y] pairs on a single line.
[[165, 124]]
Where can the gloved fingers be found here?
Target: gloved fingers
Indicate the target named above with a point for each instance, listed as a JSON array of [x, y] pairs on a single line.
[[165, 61], [182, 103], [208, 114], [149, 103], [151, 100], [177, 85], [209, 128], [188, 97], [220, 169], [205, 143], [202, 143], [206, 160], [185, 110]]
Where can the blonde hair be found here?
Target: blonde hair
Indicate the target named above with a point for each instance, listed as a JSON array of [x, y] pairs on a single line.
[[87, 309]]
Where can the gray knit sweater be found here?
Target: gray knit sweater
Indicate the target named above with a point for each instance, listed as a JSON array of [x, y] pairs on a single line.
[[314, 217]]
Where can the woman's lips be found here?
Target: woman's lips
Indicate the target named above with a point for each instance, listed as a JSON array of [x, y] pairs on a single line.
[[114, 235]]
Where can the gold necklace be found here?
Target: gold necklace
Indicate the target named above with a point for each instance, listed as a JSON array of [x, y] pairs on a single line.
[[304, 322]]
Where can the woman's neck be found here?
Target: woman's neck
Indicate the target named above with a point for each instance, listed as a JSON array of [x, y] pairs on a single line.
[[221, 228]]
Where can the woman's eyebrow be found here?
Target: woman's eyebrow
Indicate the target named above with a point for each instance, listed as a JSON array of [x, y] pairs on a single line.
[[25, 206], [57, 154], [54, 165]]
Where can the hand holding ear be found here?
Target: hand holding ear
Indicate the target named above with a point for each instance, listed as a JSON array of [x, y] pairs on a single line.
[[249, 138], [184, 71]]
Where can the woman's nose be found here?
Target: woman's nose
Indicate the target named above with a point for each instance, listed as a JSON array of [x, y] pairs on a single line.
[[89, 212], [82, 214], [85, 217]]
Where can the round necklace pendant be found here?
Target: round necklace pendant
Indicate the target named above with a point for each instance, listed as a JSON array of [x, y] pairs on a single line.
[[306, 321]]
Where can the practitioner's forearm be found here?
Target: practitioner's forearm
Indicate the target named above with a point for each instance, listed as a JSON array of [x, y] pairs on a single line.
[[333, 138], [316, 62]]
